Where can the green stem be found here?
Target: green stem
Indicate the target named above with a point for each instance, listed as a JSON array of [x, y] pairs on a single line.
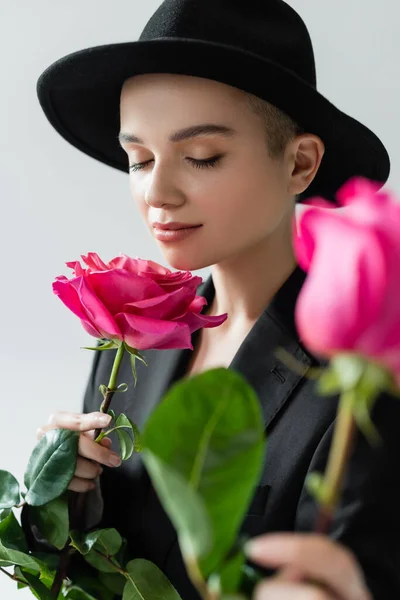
[[117, 363], [79, 500], [342, 442], [14, 577]]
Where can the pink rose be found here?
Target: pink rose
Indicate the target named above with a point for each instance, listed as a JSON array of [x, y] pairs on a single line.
[[136, 301], [350, 298]]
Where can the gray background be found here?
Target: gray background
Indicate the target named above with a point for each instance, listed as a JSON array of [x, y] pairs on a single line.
[[57, 203]]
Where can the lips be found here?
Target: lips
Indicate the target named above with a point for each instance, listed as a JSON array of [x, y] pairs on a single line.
[[173, 226]]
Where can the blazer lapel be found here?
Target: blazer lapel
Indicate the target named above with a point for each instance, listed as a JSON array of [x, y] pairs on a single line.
[[272, 380]]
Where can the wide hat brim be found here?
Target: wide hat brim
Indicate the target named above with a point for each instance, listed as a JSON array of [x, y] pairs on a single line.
[[80, 96]]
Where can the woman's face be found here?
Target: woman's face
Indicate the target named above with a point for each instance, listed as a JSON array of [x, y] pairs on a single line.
[[239, 198]]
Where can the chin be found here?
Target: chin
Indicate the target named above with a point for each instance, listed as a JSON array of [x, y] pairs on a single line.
[[186, 263]]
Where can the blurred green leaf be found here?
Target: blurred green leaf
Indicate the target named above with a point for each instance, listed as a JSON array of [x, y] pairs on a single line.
[[218, 415], [52, 519], [229, 574], [9, 490], [329, 383], [51, 466], [147, 582], [184, 506], [315, 486]]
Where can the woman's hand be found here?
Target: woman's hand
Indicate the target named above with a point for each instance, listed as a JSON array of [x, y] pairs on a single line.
[[90, 453], [313, 567]]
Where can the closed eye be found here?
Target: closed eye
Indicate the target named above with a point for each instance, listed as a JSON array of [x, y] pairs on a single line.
[[199, 164]]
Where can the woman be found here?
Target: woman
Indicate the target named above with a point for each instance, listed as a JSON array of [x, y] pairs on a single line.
[[222, 131]]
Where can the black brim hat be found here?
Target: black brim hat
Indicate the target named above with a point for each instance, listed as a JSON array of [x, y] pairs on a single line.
[[261, 47]]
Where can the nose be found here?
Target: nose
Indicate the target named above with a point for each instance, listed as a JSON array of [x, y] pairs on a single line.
[[161, 189]]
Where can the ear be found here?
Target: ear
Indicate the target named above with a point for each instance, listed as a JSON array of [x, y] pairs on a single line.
[[304, 155]]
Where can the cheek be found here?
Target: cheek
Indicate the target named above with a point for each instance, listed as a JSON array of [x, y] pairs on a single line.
[[245, 202]]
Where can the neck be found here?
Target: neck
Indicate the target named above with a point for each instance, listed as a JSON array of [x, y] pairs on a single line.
[[245, 284]]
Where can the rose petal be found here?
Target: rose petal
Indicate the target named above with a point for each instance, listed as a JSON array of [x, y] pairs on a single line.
[[98, 314], [117, 287], [324, 320], [145, 333]]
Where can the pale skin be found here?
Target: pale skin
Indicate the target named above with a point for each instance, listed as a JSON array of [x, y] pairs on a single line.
[[245, 204]]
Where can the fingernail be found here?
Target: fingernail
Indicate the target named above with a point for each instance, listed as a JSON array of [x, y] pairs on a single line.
[[103, 419], [114, 460], [252, 547]]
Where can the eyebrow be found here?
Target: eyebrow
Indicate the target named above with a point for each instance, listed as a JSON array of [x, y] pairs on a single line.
[[184, 134]]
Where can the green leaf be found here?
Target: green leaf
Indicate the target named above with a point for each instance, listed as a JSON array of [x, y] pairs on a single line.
[[205, 431], [102, 564], [9, 490], [11, 533], [51, 466], [74, 592], [125, 444], [125, 421], [184, 506], [105, 541], [16, 557], [109, 541], [133, 366], [147, 582], [229, 575], [49, 562], [52, 519], [106, 346], [115, 582], [35, 584], [133, 355], [136, 353]]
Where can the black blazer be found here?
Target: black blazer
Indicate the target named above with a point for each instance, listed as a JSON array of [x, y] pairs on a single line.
[[299, 425]]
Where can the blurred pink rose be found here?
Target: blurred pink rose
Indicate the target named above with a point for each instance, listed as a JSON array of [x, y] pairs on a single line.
[[134, 300], [350, 300]]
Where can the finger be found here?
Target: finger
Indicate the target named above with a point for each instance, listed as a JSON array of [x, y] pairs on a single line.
[[317, 557], [107, 442], [81, 485], [101, 454], [86, 469], [276, 590], [75, 421]]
